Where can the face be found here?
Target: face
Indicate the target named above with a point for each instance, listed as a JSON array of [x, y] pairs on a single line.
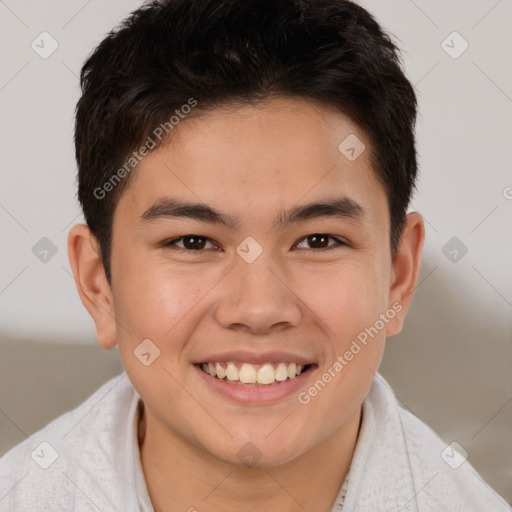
[[255, 277]]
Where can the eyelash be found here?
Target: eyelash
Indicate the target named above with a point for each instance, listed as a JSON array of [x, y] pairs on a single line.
[[171, 243]]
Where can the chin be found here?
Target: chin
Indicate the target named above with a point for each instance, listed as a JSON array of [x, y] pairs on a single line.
[[256, 453]]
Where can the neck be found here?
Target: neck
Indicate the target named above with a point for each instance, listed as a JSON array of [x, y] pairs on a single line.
[[181, 476]]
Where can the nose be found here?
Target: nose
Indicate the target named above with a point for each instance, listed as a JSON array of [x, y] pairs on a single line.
[[257, 299]]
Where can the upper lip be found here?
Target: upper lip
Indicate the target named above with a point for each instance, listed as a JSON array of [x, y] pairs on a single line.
[[242, 356]]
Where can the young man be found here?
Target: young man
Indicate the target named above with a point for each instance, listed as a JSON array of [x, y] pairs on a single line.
[[245, 169]]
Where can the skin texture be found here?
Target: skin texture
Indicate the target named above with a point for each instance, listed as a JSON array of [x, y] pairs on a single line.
[[251, 162]]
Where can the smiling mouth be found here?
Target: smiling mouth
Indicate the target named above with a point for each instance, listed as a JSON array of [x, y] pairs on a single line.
[[245, 373]]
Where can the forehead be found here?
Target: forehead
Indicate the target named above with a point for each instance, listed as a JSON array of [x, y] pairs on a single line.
[[258, 159]]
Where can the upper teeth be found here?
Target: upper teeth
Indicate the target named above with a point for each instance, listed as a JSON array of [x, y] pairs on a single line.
[[248, 373]]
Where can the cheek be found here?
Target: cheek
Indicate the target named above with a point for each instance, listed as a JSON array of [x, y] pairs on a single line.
[[350, 306], [346, 299], [154, 301]]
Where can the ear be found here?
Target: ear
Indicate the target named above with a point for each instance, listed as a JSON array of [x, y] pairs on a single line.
[[405, 271], [91, 283]]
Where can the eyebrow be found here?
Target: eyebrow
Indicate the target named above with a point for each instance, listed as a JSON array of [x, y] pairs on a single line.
[[168, 208]]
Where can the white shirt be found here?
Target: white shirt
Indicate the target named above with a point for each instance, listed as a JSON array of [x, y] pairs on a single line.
[[89, 460]]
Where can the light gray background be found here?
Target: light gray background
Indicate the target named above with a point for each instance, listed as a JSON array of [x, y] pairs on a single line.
[[451, 366]]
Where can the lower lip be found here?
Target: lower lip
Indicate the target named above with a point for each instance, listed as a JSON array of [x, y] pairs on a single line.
[[256, 394]]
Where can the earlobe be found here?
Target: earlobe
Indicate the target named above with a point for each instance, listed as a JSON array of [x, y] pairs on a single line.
[[405, 271], [91, 283]]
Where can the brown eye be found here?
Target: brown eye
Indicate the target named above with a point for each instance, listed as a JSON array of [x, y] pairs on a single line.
[[320, 241], [190, 243]]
